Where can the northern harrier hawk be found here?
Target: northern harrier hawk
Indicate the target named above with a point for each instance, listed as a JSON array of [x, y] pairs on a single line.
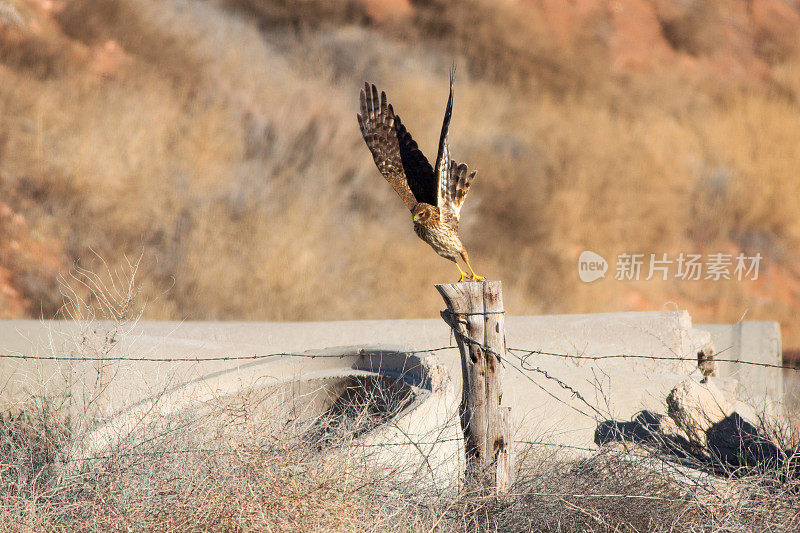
[[434, 197]]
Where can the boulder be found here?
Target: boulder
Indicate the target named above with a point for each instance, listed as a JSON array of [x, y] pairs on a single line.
[[696, 407]]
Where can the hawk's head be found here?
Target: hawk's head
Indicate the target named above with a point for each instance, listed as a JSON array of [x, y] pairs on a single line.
[[425, 213]]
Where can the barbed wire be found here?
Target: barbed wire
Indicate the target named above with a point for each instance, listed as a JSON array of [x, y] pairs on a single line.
[[256, 450], [527, 352], [244, 451], [566, 387], [585, 357], [522, 356], [117, 455], [252, 357], [522, 372]]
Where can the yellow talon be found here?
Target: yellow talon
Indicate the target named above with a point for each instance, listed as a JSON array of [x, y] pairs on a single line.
[[475, 277], [463, 274]]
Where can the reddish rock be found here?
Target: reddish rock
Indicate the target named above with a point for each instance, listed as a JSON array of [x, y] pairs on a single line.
[[722, 40], [385, 10], [23, 253], [565, 19], [637, 41], [108, 58], [775, 28]]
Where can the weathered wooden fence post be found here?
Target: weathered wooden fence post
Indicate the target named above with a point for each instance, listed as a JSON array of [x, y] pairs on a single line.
[[475, 313]]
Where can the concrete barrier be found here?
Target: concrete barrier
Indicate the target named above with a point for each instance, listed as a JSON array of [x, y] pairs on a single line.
[[750, 341], [554, 400]]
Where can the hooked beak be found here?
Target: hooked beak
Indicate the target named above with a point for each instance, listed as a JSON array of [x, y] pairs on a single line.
[[416, 217]]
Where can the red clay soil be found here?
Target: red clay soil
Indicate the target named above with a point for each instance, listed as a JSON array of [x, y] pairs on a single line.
[[715, 39], [729, 38], [26, 260]]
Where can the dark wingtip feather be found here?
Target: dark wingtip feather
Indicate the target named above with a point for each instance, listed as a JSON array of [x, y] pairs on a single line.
[[374, 93], [361, 124], [363, 101]]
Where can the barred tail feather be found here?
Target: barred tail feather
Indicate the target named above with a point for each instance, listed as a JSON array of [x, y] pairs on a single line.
[[460, 181]]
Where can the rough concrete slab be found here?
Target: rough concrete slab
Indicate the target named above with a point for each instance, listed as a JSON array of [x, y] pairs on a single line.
[[553, 399], [750, 341]]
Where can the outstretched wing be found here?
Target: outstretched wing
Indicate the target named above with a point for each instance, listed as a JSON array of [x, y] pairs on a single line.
[[419, 172], [443, 161], [395, 152], [453, 180]]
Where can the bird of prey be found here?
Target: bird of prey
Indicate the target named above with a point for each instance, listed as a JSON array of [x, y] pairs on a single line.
[[434, 196]]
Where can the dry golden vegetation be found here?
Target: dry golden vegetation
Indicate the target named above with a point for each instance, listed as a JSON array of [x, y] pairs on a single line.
[[218, 139], [239, 464]]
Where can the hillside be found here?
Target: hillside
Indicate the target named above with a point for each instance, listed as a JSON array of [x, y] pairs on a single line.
[[217, 140]]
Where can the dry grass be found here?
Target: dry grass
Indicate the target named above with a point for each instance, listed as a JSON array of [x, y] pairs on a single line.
[[234, 469], [224, 148]]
